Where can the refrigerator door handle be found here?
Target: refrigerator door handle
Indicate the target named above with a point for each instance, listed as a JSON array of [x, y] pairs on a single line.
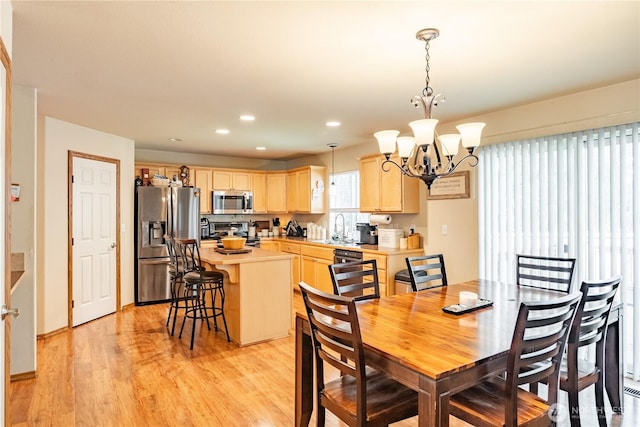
[[155, 261]]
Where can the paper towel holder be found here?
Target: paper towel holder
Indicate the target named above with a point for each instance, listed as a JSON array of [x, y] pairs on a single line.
[[379, 219]]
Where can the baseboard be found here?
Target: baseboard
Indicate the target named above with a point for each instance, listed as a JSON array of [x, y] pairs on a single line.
[[23, 376], [52, 333]]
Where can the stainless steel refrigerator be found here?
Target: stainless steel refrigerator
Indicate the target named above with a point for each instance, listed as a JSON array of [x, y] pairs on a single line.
[[160, 211]]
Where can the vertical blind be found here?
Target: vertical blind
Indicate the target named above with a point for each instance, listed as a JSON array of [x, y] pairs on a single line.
[[575, 195]]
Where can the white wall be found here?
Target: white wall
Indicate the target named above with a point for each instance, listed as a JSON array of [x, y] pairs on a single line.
[[23, 172], [190, 159], [605, 106], [58, 138]]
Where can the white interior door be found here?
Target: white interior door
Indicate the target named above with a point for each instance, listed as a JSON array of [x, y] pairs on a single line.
[[4, 162], [94, 239]]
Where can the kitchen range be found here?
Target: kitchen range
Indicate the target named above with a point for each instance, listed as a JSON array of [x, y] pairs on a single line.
[[214, 231]]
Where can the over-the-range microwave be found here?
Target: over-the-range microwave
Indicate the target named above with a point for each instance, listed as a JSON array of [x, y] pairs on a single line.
[[232, 202]]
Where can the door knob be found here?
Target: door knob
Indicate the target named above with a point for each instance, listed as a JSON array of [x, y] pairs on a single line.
[[6, 311], [113, 245]]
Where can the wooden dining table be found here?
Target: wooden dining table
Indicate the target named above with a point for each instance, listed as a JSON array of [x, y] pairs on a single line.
[[413, 340]]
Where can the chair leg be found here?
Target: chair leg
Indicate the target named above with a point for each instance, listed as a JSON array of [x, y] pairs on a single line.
[[196, 307], [169, 315], [574, 408], [602, 419], [320, 416], [221, 313], [533, 388]]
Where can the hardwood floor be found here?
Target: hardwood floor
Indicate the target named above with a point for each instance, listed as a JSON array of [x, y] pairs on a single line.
[[126, 370]]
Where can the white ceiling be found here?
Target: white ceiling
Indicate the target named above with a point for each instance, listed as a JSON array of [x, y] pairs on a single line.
[[154, 70]]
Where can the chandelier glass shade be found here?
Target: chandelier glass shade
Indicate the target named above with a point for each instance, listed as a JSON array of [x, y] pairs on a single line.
[[427, 155]]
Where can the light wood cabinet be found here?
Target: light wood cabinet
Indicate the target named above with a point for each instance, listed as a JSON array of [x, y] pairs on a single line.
[[259, 189], [171, 171], [314, 266], [306, 190], [390, 191], [276, 192], [315, 272], [270, 245], [294, 249], [154, 169], [231, 180], [203, 179]]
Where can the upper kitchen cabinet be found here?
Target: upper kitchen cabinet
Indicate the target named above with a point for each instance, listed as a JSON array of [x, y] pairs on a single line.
[[158, 169], [305, 190], [259, 189], [382, 191], [276, 192], [153, 169], [231, 180], [171, 171], [203, 179]]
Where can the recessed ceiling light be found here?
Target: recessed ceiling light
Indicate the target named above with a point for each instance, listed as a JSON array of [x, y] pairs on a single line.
[[261, 148], [333, 124], [247, 118], [222, 131], [175, 139]]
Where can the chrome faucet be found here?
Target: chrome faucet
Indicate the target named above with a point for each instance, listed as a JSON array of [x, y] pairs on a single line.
[[335, 228]]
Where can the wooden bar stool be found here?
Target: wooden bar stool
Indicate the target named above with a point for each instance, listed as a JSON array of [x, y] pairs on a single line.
[[203, 290]]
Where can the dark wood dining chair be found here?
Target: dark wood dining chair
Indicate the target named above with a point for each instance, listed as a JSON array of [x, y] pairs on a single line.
[[427, 271], [358, 279], [589, 329], [539, 338], [551, 273], [361, 396]]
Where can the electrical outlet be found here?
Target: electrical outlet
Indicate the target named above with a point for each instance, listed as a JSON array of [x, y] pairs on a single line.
[[445, 229]]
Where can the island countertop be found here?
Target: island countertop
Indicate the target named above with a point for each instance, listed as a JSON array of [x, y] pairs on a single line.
[[210, 256]]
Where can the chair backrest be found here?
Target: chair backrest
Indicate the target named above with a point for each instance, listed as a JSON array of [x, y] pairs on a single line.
[[335, 333], [188, 254], [427, 271], [173, 255], [358, 279], [541, 333], [590, 324], [555, 274]]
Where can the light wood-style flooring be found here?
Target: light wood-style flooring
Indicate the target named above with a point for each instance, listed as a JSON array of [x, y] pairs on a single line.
[[126, 370]]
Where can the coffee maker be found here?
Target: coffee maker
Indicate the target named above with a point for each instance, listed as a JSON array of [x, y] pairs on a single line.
[[368, 233]]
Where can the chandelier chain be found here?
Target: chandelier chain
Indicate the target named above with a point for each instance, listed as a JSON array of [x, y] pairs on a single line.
[[427, 91]]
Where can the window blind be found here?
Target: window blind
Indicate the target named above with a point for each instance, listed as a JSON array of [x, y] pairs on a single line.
[[574, 195]]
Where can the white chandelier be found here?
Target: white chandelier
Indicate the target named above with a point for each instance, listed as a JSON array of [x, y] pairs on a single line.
[[423, 165]]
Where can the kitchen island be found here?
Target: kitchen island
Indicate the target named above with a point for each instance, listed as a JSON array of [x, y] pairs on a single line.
[[257, 285]]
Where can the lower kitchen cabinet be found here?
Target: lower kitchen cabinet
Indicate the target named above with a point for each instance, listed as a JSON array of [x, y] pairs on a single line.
[[314, 266], [270, 245], [315, 272], [293, 249]]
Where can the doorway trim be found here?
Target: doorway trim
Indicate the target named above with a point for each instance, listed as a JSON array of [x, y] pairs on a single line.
[[71, 156], [6, 63]]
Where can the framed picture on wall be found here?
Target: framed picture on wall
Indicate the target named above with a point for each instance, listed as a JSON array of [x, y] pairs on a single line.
[[454, 186]]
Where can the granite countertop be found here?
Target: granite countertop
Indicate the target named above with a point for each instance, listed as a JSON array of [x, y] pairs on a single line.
[[346, 245], [211, 256]]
